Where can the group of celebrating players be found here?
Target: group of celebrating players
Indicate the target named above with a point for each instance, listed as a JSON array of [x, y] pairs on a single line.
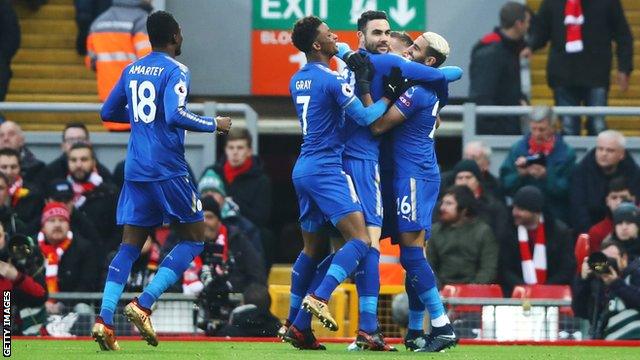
[[369, 169], [361, 162]]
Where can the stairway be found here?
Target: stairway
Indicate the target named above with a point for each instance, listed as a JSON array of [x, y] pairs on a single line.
[[542, 94], [48, 69]]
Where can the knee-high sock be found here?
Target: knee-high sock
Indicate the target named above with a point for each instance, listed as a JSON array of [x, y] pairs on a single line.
[[117, 276], [421, 276], [171, 269], [302, 273], [302, 320], [367, 277], [344, 263]]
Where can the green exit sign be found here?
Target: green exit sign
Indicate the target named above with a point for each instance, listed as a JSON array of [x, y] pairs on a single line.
[[408, 15]]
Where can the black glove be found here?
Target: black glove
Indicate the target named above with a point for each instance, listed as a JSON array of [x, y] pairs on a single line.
[[363, 70], [394, 84]]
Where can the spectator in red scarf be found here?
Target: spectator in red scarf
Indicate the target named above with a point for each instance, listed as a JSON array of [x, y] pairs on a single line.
[[70, 260], [246, 183], [226, 248], [543, 159], [92, 195], [538, 248], [8, 217], [581, 33], [73, 132], [26, 199], [619, 192]]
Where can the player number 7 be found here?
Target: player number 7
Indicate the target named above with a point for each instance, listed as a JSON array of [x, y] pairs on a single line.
[[304, 100]]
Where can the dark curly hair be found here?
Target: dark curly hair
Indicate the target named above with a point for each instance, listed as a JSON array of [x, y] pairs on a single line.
[[305, 32], [161, 27], [465, 199], [367, 16]]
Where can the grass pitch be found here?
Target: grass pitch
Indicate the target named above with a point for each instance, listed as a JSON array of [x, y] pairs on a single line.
[[74, 349]]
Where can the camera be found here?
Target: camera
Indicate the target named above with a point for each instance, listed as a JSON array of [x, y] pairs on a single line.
[[601, 263], [21, 249], [536, 159]]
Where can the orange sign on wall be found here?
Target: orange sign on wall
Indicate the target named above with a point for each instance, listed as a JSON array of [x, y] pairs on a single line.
[[275, 59]]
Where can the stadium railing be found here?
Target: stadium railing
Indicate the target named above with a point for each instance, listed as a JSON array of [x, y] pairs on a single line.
[[111, 147], [44, 142], [499, 319]]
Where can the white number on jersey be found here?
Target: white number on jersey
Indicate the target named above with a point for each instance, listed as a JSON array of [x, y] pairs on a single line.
[[304, 100], [434, 113], [146, 95]]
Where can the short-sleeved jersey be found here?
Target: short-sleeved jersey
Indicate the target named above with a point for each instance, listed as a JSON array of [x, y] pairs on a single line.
[[414, 152], [155, 90], [320, 95], [361, 144]]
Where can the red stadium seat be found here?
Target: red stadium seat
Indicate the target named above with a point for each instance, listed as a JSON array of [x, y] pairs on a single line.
[[471, 291], [558, 292], [582, 250]]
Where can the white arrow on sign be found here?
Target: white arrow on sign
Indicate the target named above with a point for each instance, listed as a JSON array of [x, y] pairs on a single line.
[[402, 14]]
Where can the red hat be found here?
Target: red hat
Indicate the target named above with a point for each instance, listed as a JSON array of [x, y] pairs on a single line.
[[55, 209]]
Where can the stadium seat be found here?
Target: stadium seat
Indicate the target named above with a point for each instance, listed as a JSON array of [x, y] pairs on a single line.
[[471, 291], [582, 249], [555, 292]]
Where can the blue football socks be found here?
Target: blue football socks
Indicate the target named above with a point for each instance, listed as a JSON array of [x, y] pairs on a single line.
[[416, 310], [344, 263], [367, 279], [421, 277], [302, 273], [171, 269], [117, 276], [302, 320]]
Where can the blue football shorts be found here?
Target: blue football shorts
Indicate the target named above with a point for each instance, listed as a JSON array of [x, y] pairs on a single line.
[[153, 203], [366, 179], [325, 197], [415, 200]]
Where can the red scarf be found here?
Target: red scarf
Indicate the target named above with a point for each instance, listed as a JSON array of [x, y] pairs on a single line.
[[81, 187], [534, 268], [52, 255], [230, 173], [17, 191], [191, 283], [545, 147], [573, 19]]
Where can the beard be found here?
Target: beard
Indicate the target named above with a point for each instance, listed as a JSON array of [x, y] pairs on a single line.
[[80, 175]]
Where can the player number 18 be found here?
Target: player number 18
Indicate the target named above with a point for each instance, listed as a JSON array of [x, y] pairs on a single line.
[[142, 98]]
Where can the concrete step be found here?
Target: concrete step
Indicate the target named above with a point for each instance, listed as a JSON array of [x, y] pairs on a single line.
[[543, 91], [47, 12], [539, 77], [54, 118], [46, 71], [48, 41], [83, 98], [52, 86], [36, 26], [31, 126], [47, 56]]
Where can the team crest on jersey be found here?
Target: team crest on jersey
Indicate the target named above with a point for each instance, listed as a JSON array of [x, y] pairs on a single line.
[[181, 91], [347, 90], [409, 93]]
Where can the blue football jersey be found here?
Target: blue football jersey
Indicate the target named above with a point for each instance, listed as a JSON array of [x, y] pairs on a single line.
[[151, 95], [320, 96], [361, 143], [414, 152]]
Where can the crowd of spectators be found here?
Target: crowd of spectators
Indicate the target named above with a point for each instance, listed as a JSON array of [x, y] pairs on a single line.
[[524, 230], [64, 214]]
